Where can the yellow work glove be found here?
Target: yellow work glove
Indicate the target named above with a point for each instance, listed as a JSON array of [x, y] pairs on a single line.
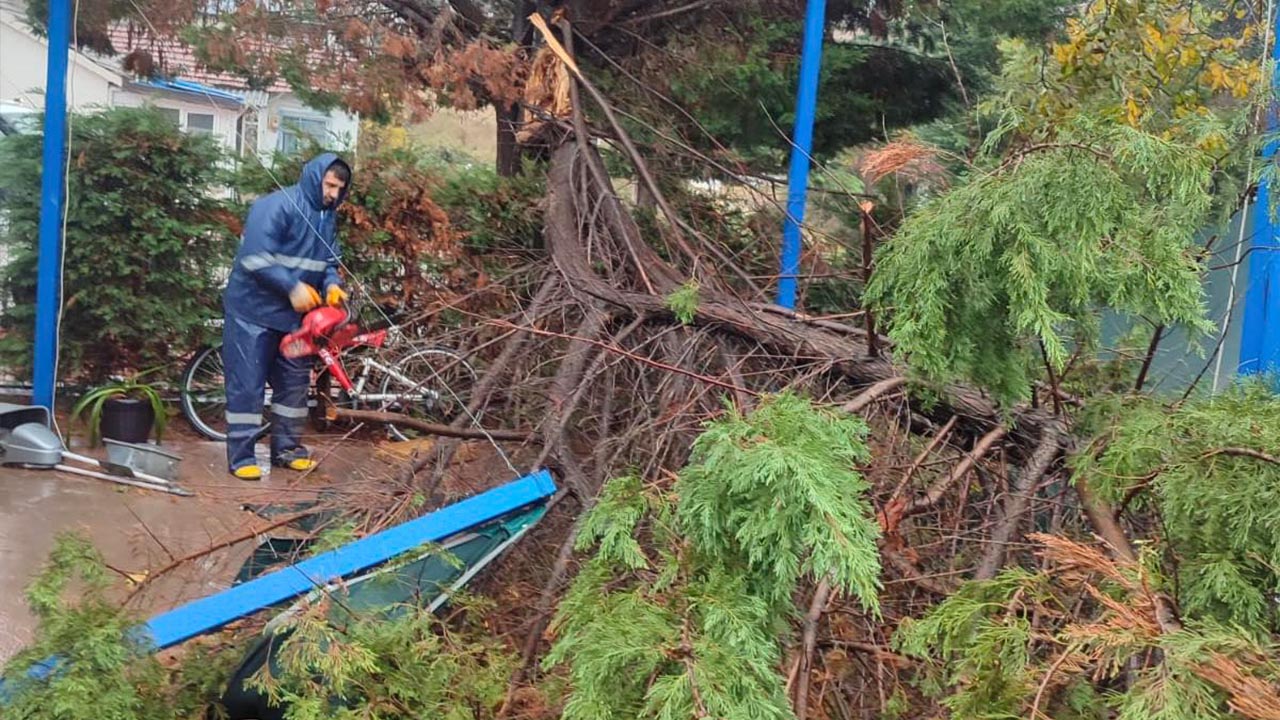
[[303, 297], [335, 296]]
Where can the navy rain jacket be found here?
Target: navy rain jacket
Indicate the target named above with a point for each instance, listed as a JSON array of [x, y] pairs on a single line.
[[289, 237]]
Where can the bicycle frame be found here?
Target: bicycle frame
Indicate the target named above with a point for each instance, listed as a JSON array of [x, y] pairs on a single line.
[[380, 380], [331, 348], [333, 362], [355, 387]]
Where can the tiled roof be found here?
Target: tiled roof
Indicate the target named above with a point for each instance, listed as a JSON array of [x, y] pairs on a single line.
[[175, 59]]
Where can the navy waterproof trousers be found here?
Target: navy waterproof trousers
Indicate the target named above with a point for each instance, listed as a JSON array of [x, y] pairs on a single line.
[[251, 359]]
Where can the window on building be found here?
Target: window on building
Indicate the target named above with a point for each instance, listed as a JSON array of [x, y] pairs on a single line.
[[211, 11], [200, 123], [173, 114], [297, 132]]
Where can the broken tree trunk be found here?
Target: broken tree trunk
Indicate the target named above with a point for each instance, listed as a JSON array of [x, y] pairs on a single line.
[[845, 352]]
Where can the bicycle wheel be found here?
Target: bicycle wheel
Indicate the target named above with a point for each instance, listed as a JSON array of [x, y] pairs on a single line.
[[204, 398], [204, 395], [431, 384]]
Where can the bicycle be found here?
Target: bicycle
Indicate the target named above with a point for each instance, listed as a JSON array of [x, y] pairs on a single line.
[[427, 382]]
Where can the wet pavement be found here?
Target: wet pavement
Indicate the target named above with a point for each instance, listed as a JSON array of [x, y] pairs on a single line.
[[139, 531]]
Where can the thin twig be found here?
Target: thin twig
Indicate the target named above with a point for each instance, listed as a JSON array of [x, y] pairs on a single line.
[[152, 575], [810, 640], [147, 529], [936, 491], [1241, 452], [868, 396], [1151, 355], [688, 7], [934, 442], [1035, 705]]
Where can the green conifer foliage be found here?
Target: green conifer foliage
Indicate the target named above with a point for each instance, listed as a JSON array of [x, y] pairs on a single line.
[[1083, 640], [1208, 470], [397, 663], [681, 611], [101, 673], [979, 644], [1022, 258], [1201, 483], [1109, 154]]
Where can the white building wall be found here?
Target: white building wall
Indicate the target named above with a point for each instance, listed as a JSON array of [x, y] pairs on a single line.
[[341, 129], [224, 115], [23, 67], [93, 86]]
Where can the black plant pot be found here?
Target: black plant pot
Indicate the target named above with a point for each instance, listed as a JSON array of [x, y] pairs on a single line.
[[127, 419]]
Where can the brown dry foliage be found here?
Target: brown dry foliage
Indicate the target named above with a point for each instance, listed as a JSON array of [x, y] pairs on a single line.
[[407, 227], [1133, 621], [1251, 696], [912, 161]]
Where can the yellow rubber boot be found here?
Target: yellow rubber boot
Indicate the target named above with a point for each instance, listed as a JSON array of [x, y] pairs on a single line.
[[301, 464], [248, 472]]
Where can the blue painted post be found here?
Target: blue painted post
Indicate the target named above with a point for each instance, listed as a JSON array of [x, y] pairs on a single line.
[[1259, 342], [801, 145], [49, 267], [1259, 338]]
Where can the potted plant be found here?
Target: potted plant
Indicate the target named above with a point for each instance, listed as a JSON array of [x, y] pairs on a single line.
[[126, 410]]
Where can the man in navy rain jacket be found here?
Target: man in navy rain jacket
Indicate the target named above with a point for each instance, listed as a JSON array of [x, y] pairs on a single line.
[[289, 249]]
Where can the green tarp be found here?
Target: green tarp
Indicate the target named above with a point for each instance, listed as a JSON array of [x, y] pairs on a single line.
[[422, 580]]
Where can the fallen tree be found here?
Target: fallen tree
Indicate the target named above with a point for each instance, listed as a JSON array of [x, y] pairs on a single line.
[[1017, 534]]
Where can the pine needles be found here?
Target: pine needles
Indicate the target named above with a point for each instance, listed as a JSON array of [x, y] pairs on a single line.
[[694, 628], [989, 661]]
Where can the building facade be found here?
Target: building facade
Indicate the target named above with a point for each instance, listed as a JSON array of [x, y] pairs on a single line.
[[243, 120]]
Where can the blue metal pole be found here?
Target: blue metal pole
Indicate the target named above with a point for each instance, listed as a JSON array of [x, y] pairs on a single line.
[[802, 144], [1259, 334], [49, 270]]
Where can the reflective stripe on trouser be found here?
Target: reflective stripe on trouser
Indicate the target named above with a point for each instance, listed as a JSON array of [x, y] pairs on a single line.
[[251, 359]]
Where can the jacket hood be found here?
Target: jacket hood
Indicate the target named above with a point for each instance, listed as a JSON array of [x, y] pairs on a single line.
[[313, 176]]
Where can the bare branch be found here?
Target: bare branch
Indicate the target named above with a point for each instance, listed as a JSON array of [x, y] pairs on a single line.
[[936, 491], [378, 416]]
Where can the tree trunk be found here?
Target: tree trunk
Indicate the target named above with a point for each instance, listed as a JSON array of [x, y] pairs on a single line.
[[508, 161]]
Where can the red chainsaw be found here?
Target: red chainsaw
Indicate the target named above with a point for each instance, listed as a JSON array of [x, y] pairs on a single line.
[[327, 332]]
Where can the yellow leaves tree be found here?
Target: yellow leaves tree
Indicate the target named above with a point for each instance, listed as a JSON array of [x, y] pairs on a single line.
[[1155, 65], [1111, 149]]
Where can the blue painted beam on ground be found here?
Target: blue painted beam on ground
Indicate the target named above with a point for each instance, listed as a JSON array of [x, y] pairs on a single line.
[[210, 613]]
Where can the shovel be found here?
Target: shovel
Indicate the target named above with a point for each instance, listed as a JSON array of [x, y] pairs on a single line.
[[33, 444], [116, 469], [139, 483]]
